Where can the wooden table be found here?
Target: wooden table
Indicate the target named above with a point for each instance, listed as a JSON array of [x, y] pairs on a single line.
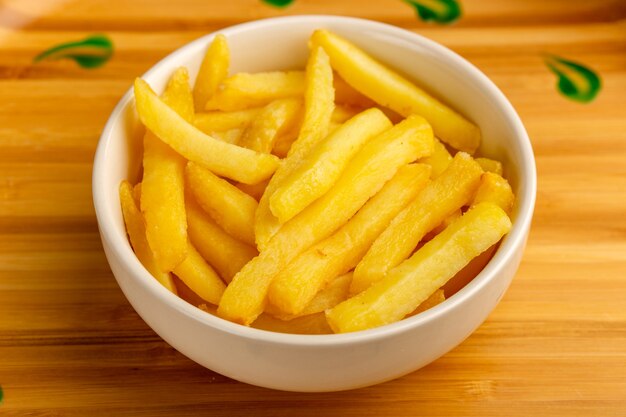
[[71, 345]]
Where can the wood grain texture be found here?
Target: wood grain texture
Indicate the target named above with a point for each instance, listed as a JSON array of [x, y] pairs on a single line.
[[71, 345]]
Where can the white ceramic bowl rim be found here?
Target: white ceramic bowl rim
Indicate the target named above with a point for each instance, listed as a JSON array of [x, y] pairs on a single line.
[[526, 202]]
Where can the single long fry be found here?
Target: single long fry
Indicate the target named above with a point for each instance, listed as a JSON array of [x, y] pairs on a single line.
[[222, 251], [274, 119], [224, 159], [319, 97], [200, 276], [411, 283], [495, 189], [244, 90], [364, 176], [335, 291], [218, 121], [439, 160], [230, 207], [213, 70], [296, 285], [136, 230], [321, 167], [490, 165], [450, 191], [391, 90], [162, 192]]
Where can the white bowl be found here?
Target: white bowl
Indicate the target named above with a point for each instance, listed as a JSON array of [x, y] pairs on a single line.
[[321, 362]]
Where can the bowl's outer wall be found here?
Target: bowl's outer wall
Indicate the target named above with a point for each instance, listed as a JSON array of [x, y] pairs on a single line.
[[266, 361]]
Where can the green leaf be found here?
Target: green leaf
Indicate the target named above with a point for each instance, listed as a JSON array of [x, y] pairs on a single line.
[[91, 52], [278, 3], [575, 81], [438, 11], [1, 394]]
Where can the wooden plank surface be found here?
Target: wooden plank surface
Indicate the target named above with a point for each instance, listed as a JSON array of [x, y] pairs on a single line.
[[71, 345]]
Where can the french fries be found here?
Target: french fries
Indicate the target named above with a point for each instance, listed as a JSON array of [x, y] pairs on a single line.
[[213, 70], [230, 207], [136, 230], [447, 193], [162, 199], [273, 120], [319, 98], [224, 159], [412, 282], [219, 121], [495, 189], [359, 224], [439, 160], [435, 299], [242, 91], [296, 285], [322, 166], [391, 90], [332, 294], [200, 277], [378, 161], [222, 251]]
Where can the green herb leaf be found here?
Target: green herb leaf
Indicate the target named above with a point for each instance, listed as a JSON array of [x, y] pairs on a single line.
[[91, 52], [438, 11], [1, 394], [278, 3], [575, 81]]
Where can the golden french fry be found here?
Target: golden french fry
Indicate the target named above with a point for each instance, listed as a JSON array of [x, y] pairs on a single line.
[[177, 94], [469, 272], [136, 230], [224, 159], [230, 207], [364, 176], [335, 291], [283, 143], [490, 165], [200, 276], [447, 193], [296, 285], [345, 94], [244, 90], [311, 324], [436, 298], [495, 189], [319, 104], [412, 282], [439, 160], [389, 89], [232, 136], [222, 251], [218, 121], [322, 166], [274, 119], [213, 70], [162, 190]]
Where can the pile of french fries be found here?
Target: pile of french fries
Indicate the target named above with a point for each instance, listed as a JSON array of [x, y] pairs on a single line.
[[335, 199]]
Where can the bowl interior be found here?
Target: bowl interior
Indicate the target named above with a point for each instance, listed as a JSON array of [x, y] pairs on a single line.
[[279, 44]]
